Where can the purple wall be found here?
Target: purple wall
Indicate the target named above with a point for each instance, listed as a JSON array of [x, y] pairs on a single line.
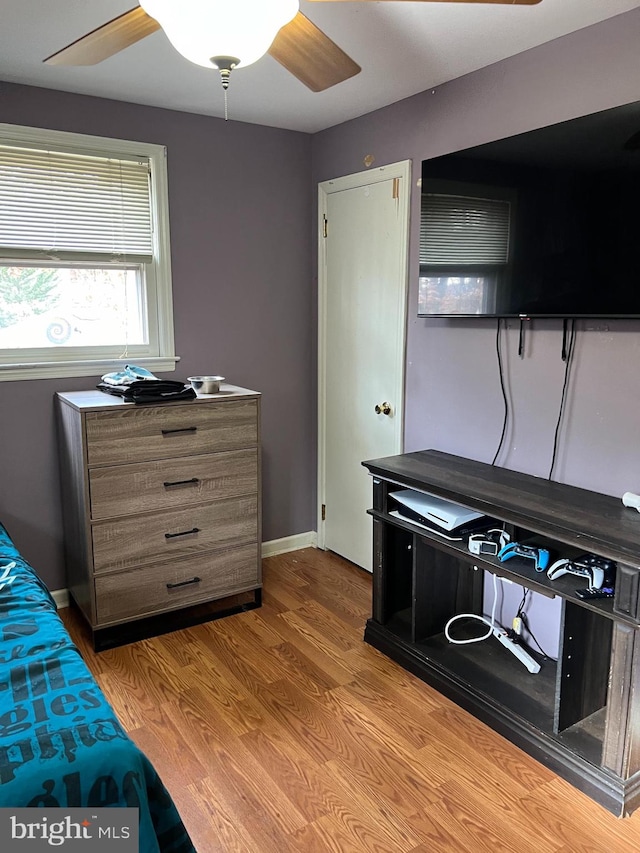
[[453, 399], [240, 211]]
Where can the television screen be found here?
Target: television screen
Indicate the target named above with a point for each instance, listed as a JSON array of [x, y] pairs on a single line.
[[543, 224]]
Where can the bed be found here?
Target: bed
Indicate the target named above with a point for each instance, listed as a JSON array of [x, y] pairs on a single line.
[[61, 744]]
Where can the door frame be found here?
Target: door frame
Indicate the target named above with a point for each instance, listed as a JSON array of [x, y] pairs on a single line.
[[400, 170]]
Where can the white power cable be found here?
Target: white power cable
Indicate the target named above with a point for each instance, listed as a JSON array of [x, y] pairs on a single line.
[[496, 631], [491, 623]]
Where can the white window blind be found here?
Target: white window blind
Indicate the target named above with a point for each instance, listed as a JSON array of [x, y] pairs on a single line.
[[460, 230], [68, 206]]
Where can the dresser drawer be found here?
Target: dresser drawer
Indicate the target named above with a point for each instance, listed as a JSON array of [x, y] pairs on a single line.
[[153, 589], [172, 483], [142, 539], [145, 433]]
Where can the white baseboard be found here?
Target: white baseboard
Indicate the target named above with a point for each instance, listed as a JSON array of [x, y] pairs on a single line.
[[289, 543], [61, 597], [269, 549]]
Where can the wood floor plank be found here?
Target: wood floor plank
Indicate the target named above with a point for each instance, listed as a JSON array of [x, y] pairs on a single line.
[[354, 833], [298, 776], [132, 710], [216, 831], [523, 770], [384, 805], [435, 836], [449, 762], [173, 760], [465, 754], [324, 789], [366, 658], [141, 670], [587, 847], [495, 816], [447, 829], [259, 628], [366, 693], [311, 841], [575, 820], [240, 660], [303, 670], [279, 730], [339, 592], [285, 568], [299, 715], [326, 659], [327, 568], [340, 608], [283, 595], [315, 625], [244, 786], [195, 713], [238, 648], [249, 829], [382, 763], [227, 699]]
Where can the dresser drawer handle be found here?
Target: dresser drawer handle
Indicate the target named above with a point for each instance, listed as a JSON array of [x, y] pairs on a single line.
[[191, 482], [182, 583], [180, 429], [182, 533]]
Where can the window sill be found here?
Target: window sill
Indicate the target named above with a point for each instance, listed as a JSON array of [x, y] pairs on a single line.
[[67, 370]]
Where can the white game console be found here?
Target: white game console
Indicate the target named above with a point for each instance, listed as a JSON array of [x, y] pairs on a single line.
[[435, 512]]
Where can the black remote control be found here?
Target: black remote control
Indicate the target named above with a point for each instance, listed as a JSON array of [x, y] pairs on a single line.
[[590, 594]]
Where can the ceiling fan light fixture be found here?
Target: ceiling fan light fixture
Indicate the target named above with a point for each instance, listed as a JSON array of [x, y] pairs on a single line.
[[202, 29]]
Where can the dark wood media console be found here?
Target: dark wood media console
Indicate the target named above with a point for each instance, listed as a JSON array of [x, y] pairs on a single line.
[[580, 716]]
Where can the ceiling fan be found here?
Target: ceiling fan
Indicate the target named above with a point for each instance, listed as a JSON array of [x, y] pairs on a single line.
[[294, 41]]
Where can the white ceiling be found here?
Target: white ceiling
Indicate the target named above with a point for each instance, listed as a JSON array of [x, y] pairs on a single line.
[[403, 48]]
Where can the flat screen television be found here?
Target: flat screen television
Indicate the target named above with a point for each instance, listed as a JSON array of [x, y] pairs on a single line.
[[542, 224]]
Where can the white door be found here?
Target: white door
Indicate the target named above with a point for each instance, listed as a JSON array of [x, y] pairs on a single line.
[[362, 316]]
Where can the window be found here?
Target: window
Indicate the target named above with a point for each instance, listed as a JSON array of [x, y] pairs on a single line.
[[464, 252], [85, 281]]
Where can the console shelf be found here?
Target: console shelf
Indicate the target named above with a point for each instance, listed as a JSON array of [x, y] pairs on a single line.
[[580, 715]]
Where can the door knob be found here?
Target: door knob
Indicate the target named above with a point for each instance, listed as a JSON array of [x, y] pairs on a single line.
[[383, 409]]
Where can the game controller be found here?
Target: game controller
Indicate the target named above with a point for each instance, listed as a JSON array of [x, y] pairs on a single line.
[[540, 556], [560, 568], [589, 566]]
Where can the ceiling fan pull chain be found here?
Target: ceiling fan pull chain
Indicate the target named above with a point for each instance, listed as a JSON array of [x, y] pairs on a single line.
[[225, 73], [225, 65]]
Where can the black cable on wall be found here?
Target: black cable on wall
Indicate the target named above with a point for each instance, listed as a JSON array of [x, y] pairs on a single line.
[[568, 347], [504, 393]]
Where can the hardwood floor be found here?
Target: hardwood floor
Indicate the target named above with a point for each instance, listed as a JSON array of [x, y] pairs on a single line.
[[279, 730]]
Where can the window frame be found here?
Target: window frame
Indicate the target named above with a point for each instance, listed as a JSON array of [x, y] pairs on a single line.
[[159, 356]]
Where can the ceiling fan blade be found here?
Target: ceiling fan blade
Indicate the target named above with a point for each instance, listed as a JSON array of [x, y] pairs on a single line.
[[106, 40], [310, 55], [502, 2]]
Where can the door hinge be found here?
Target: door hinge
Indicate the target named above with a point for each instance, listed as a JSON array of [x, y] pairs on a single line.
[[325, 226], [324, 512]]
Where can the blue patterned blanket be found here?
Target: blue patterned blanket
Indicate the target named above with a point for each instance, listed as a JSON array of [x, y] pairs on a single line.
[[60, 742]]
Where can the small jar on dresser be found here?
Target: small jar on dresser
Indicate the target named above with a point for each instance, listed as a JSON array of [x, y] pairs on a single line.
[[161, 509]]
